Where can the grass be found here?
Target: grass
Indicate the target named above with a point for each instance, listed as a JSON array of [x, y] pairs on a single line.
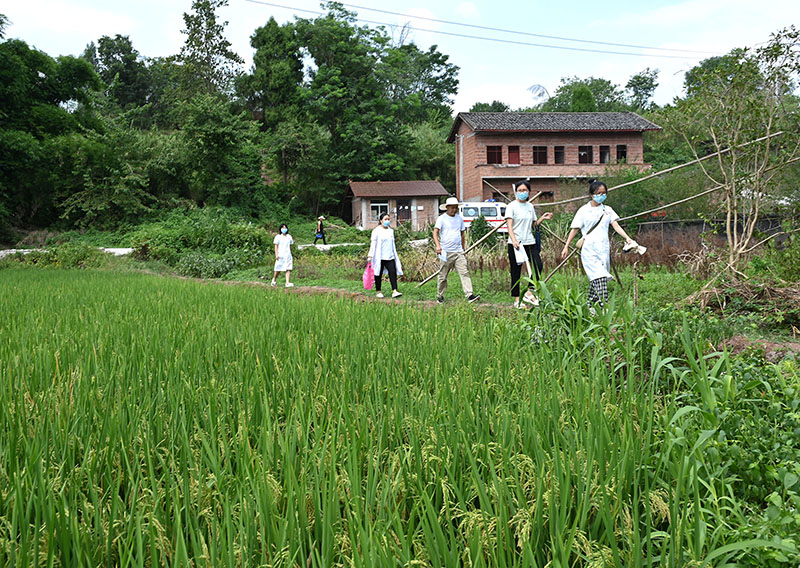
[[151, 421]]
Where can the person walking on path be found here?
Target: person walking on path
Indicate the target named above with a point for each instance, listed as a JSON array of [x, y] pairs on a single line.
[[522, 245], [593, 220], [320, 234], [448, 236], [283, 255], [383, 256]]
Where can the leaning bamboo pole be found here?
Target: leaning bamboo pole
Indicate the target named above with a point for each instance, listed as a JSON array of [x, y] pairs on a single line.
[[629, 217], [668, 170]]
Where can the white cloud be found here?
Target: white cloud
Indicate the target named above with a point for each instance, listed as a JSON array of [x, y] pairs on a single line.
[[468, 10]]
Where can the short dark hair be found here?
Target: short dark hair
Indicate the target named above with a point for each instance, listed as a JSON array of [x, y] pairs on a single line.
[[595, 185], [524, 182], [284, 225], [385, 215]]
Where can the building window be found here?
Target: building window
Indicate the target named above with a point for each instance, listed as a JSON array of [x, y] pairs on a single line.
[[585, 155], [513, 155], [558, 154], [540, 154], [622, 152], [377, 209], [494, 154], [605, 154]]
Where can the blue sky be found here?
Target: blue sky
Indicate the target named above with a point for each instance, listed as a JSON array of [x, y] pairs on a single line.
[[489, 70]]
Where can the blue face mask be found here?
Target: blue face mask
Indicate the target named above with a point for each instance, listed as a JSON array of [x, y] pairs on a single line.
[[284, 230], [386, 223], [599, 198], [522, 195]]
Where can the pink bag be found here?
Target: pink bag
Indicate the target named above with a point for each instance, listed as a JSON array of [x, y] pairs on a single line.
[[369, 277]]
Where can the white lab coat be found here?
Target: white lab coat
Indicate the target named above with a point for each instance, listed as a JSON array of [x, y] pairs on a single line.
[[596, 250]]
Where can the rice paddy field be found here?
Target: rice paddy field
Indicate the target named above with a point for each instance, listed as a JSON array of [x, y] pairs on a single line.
[[150, 421]]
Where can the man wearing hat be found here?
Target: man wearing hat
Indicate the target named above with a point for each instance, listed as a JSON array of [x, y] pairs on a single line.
[[448, 236], [320, 234]]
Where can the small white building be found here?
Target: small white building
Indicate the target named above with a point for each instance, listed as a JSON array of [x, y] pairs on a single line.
[[415, 202]]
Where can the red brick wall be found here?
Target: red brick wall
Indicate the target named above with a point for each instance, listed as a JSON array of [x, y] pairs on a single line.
[[425, 216], [471, 148]]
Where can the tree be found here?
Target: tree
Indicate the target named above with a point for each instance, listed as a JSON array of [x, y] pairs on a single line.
[[417, 82], [734, 100], [582, 100], [494, 106], [345, 96], [208, 63], [274, 88], [40, 98], [607, 96], [121, 69], [3, 25], [640, 88]]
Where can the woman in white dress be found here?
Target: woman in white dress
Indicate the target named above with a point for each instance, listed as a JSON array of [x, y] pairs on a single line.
[[593, 221], [283, 255], [383, 256]]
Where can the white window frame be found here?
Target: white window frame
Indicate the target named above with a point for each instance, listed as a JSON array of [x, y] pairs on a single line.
[[377, 209]]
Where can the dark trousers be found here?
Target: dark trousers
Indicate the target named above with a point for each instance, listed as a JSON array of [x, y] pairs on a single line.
[[516, 269], [389, 265]]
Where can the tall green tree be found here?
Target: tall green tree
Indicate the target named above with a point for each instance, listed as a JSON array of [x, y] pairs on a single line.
[[582, 100], [273, 89], [744, 96], [494, 106], [346, 97], [420, 83], [122, 69], [607, 96], [640, 88], [208, 63], [40, 98]]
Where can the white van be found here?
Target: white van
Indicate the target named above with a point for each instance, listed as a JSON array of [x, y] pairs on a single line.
[[493, 211]]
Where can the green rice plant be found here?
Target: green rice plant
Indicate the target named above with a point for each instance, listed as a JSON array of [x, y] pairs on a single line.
[[157, 422]]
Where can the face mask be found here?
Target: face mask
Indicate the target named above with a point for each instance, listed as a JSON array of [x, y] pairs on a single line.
[[522, 195], [599, 198], [284, 230], [386, 223]]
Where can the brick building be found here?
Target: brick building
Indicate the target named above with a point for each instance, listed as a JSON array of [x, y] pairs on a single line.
[[415, 202], [496, 149]]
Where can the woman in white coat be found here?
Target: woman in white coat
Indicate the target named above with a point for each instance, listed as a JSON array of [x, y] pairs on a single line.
[[383, 256], [593, 221]]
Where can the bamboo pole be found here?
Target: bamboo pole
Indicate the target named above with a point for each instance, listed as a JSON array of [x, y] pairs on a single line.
[[668, 170]]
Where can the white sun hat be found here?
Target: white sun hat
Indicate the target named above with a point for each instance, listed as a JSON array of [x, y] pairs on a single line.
[[450, 201]]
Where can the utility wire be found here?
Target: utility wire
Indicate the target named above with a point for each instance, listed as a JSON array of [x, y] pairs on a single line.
[[475, 26], [467, 36]]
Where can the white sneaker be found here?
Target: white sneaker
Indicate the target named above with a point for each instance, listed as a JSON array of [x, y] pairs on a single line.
[[379, 295], [530, 298], [396, 294], [273, 283], [289, 285]]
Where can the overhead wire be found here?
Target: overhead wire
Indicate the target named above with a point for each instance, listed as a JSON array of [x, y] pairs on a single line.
[[483, 38]]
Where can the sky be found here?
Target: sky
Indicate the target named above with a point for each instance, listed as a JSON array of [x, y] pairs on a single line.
[[671, 36]]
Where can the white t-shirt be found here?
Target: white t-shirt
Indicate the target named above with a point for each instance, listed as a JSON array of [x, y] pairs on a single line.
[[284, 243], [383, 245], [450, 229], [523, 215]]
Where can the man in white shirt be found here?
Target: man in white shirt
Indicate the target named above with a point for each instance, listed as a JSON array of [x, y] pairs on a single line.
[[448, 236]]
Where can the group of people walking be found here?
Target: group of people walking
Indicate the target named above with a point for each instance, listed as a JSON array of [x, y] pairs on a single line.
[[592, 220]]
